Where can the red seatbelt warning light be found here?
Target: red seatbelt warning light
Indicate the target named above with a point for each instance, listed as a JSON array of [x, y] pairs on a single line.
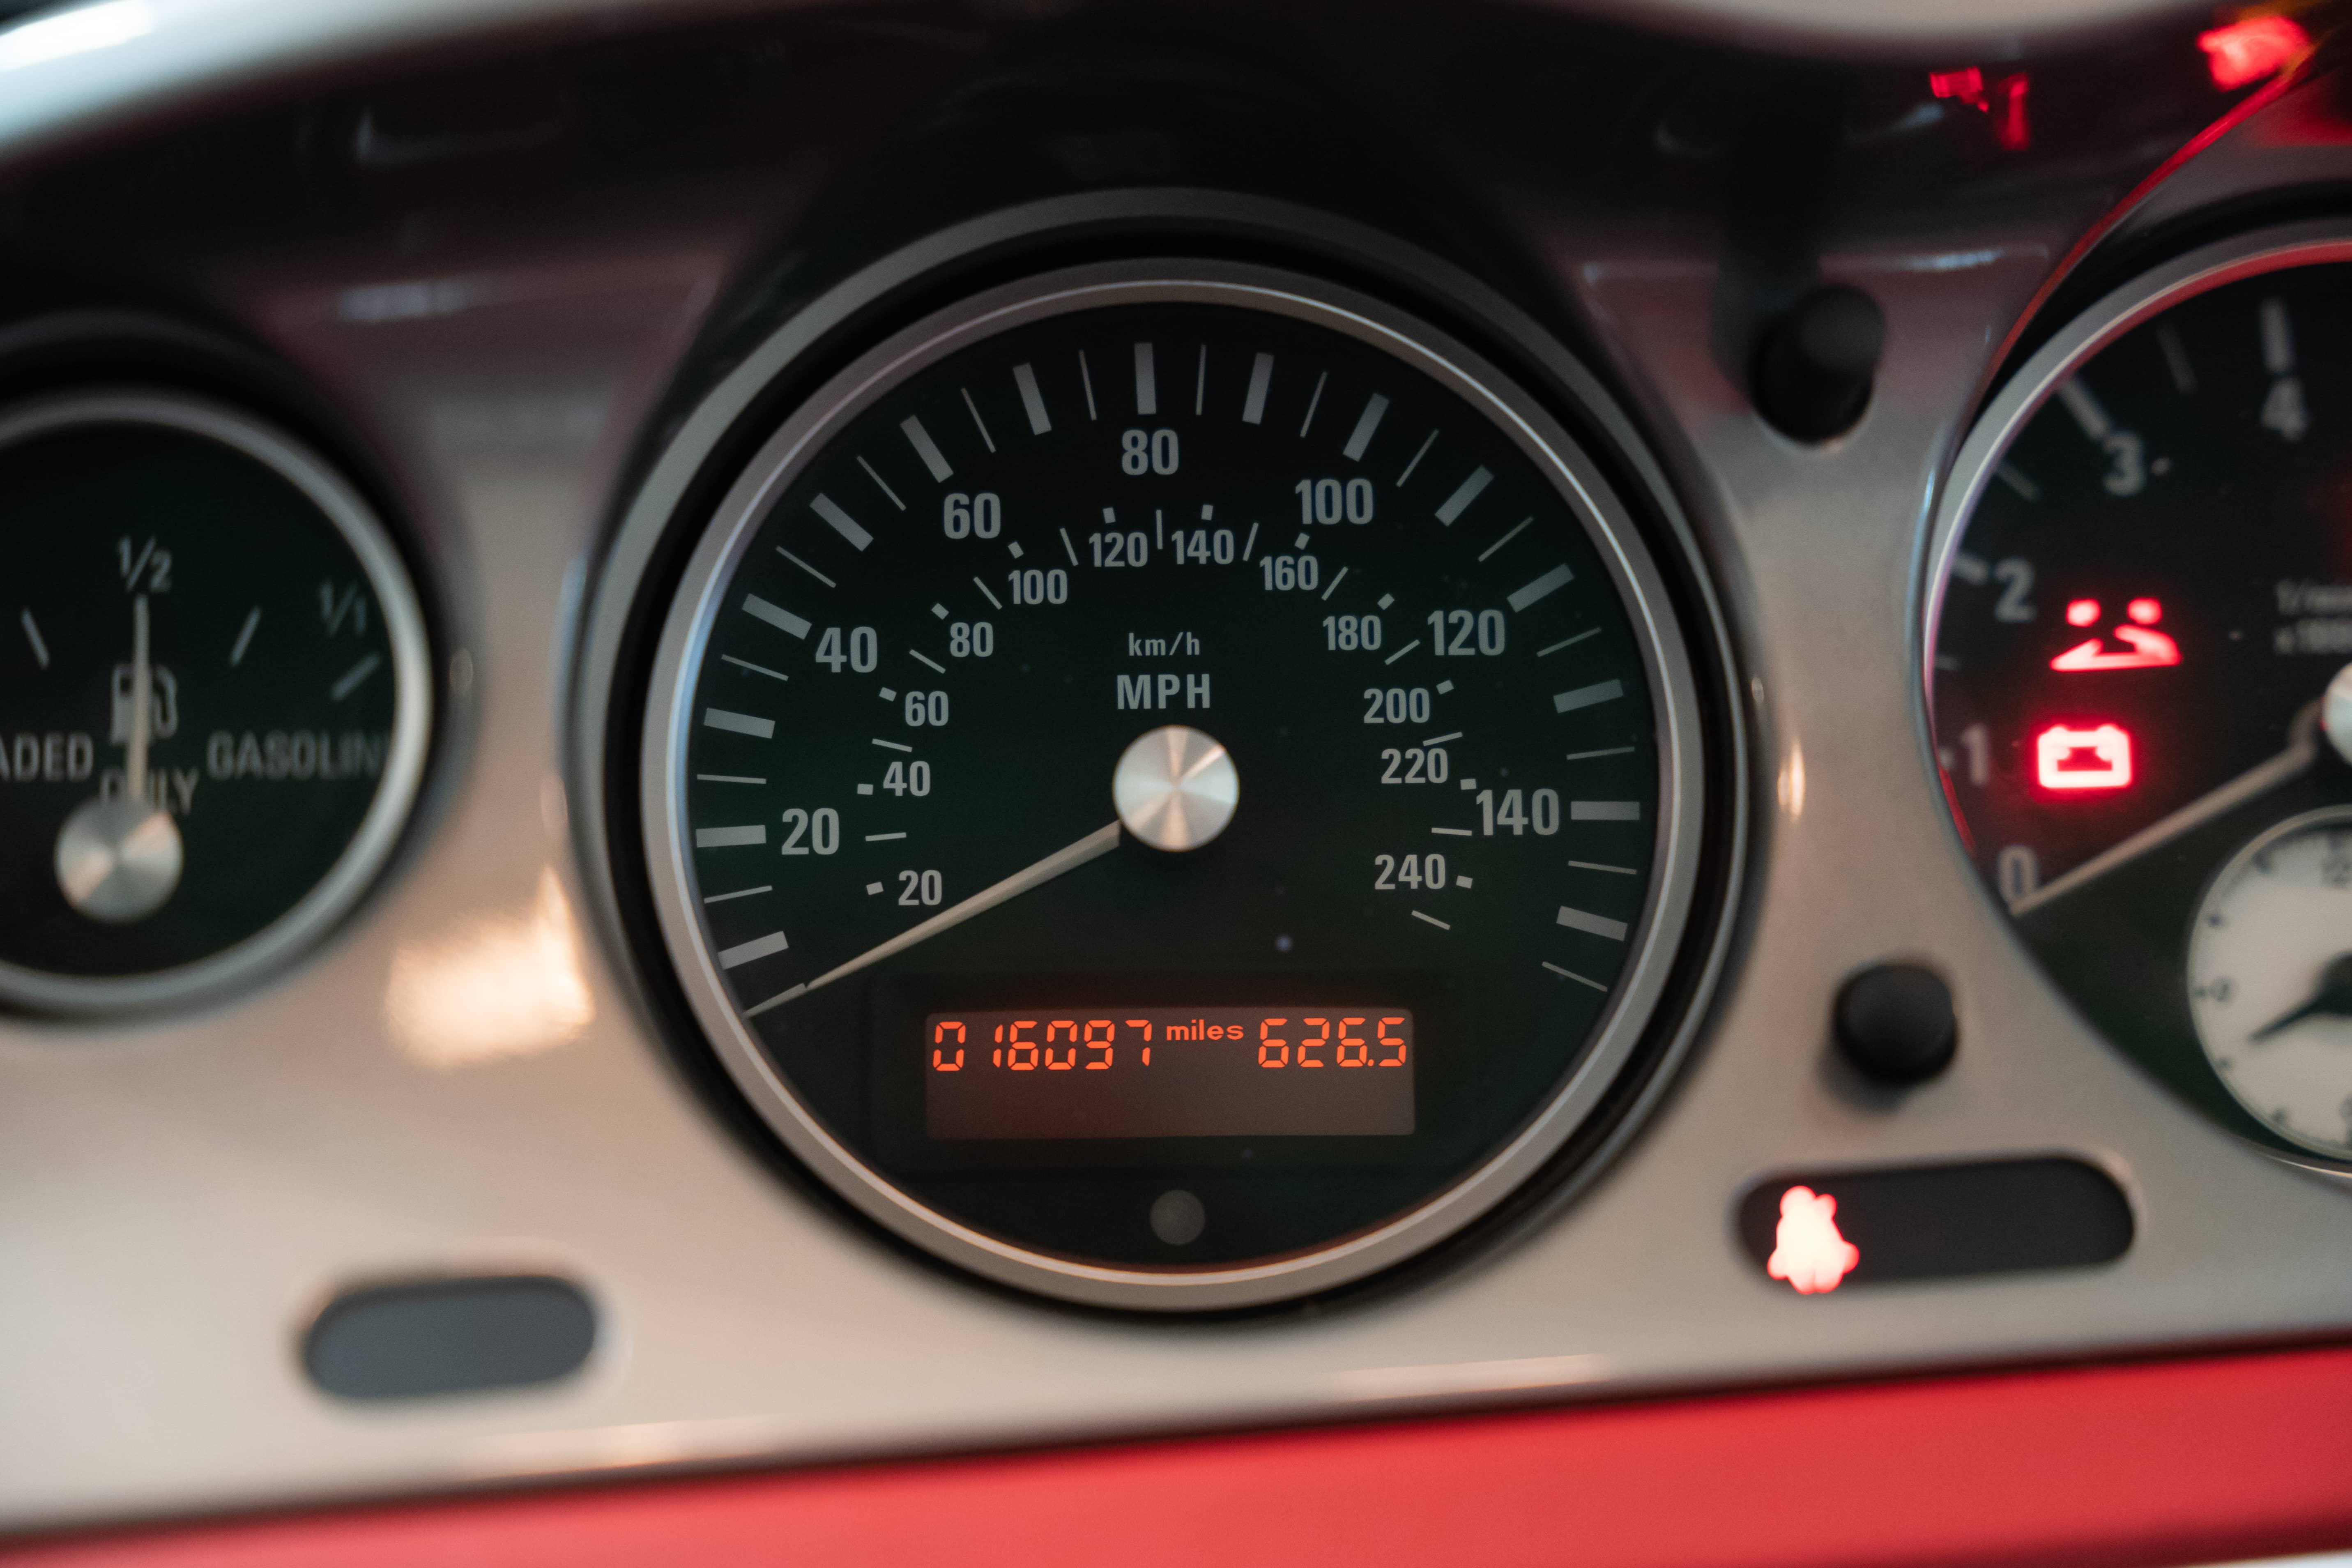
[[1807, 1250], [2070, 759], [2144, 647]]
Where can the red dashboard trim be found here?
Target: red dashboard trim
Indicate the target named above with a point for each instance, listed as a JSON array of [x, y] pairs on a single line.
[[2106, 1467]]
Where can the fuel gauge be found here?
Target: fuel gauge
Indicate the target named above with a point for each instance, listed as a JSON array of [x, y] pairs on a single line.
[[214, 698]]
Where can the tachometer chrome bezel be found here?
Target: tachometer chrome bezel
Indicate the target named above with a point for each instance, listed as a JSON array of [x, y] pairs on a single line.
[[2153, 293]]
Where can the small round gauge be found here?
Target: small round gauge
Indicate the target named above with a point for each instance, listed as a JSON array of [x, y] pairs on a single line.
[[2144, 590], [2270, 979], [1172, 786], [214, 713]]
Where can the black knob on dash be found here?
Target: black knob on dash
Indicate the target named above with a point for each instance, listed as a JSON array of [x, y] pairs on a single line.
[[1895, 1022], [1814, 369]]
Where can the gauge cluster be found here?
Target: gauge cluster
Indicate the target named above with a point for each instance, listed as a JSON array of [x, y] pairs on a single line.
[[770, 736]]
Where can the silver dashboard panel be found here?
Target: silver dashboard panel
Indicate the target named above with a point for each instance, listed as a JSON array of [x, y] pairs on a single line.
[[462, 1077]]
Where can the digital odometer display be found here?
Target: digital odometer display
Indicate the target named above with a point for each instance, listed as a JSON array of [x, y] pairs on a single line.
[[1307, 1070], [2139, 618], [1269, 699]]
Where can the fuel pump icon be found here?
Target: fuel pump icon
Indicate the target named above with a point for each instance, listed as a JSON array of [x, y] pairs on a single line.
[[164, 713]]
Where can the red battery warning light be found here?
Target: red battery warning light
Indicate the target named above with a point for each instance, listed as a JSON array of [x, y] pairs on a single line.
[[2100, 757]]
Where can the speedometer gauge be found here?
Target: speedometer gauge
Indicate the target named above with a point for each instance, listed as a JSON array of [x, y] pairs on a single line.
[[1172, 786], [2145, 592]]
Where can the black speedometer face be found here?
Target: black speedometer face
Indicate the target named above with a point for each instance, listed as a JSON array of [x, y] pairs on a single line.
[[212, 710], [1169, 781], [2140, 622]]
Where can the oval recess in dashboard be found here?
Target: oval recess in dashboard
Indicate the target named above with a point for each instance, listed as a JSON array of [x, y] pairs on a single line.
[[2139, 676], [1172, 785]]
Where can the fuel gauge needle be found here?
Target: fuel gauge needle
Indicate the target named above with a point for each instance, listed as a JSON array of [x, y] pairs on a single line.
[[1098, 842], [118, 856]]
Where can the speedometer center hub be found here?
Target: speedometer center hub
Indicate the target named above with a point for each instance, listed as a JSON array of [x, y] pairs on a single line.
[[1175, 787]]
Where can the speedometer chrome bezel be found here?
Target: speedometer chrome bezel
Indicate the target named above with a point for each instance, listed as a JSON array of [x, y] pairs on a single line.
[[726, 536]]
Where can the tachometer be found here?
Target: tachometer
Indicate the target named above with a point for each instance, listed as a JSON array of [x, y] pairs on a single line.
[[2146, 590], [1172, 786]]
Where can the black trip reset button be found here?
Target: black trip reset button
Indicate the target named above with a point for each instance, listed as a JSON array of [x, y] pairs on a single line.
[[1818, 1231]]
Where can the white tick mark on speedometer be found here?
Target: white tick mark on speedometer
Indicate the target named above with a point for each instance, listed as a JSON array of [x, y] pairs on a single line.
[[926, 449], [754, 669], [1597, 925], [1261, 377], [1032, 402], [1567, 642], [807, 567], [1506, 539], [739, 723], [1463, 494], [1147, 384], [878, 481], [1312, 403], [784, 620], [968, 403], [1587, 696], [758, 947], [1361, 438], [1549, 583], [1417, 457], [1432, 919], [841, 521]]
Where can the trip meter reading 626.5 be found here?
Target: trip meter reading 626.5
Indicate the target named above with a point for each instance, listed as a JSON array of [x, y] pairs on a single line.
[[1137, 737]]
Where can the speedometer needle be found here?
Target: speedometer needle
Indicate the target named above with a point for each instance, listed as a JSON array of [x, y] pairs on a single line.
[[2302, 750], [1100, 842]]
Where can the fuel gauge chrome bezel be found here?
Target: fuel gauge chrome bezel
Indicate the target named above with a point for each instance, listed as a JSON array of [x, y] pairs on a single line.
[[354, 870]]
